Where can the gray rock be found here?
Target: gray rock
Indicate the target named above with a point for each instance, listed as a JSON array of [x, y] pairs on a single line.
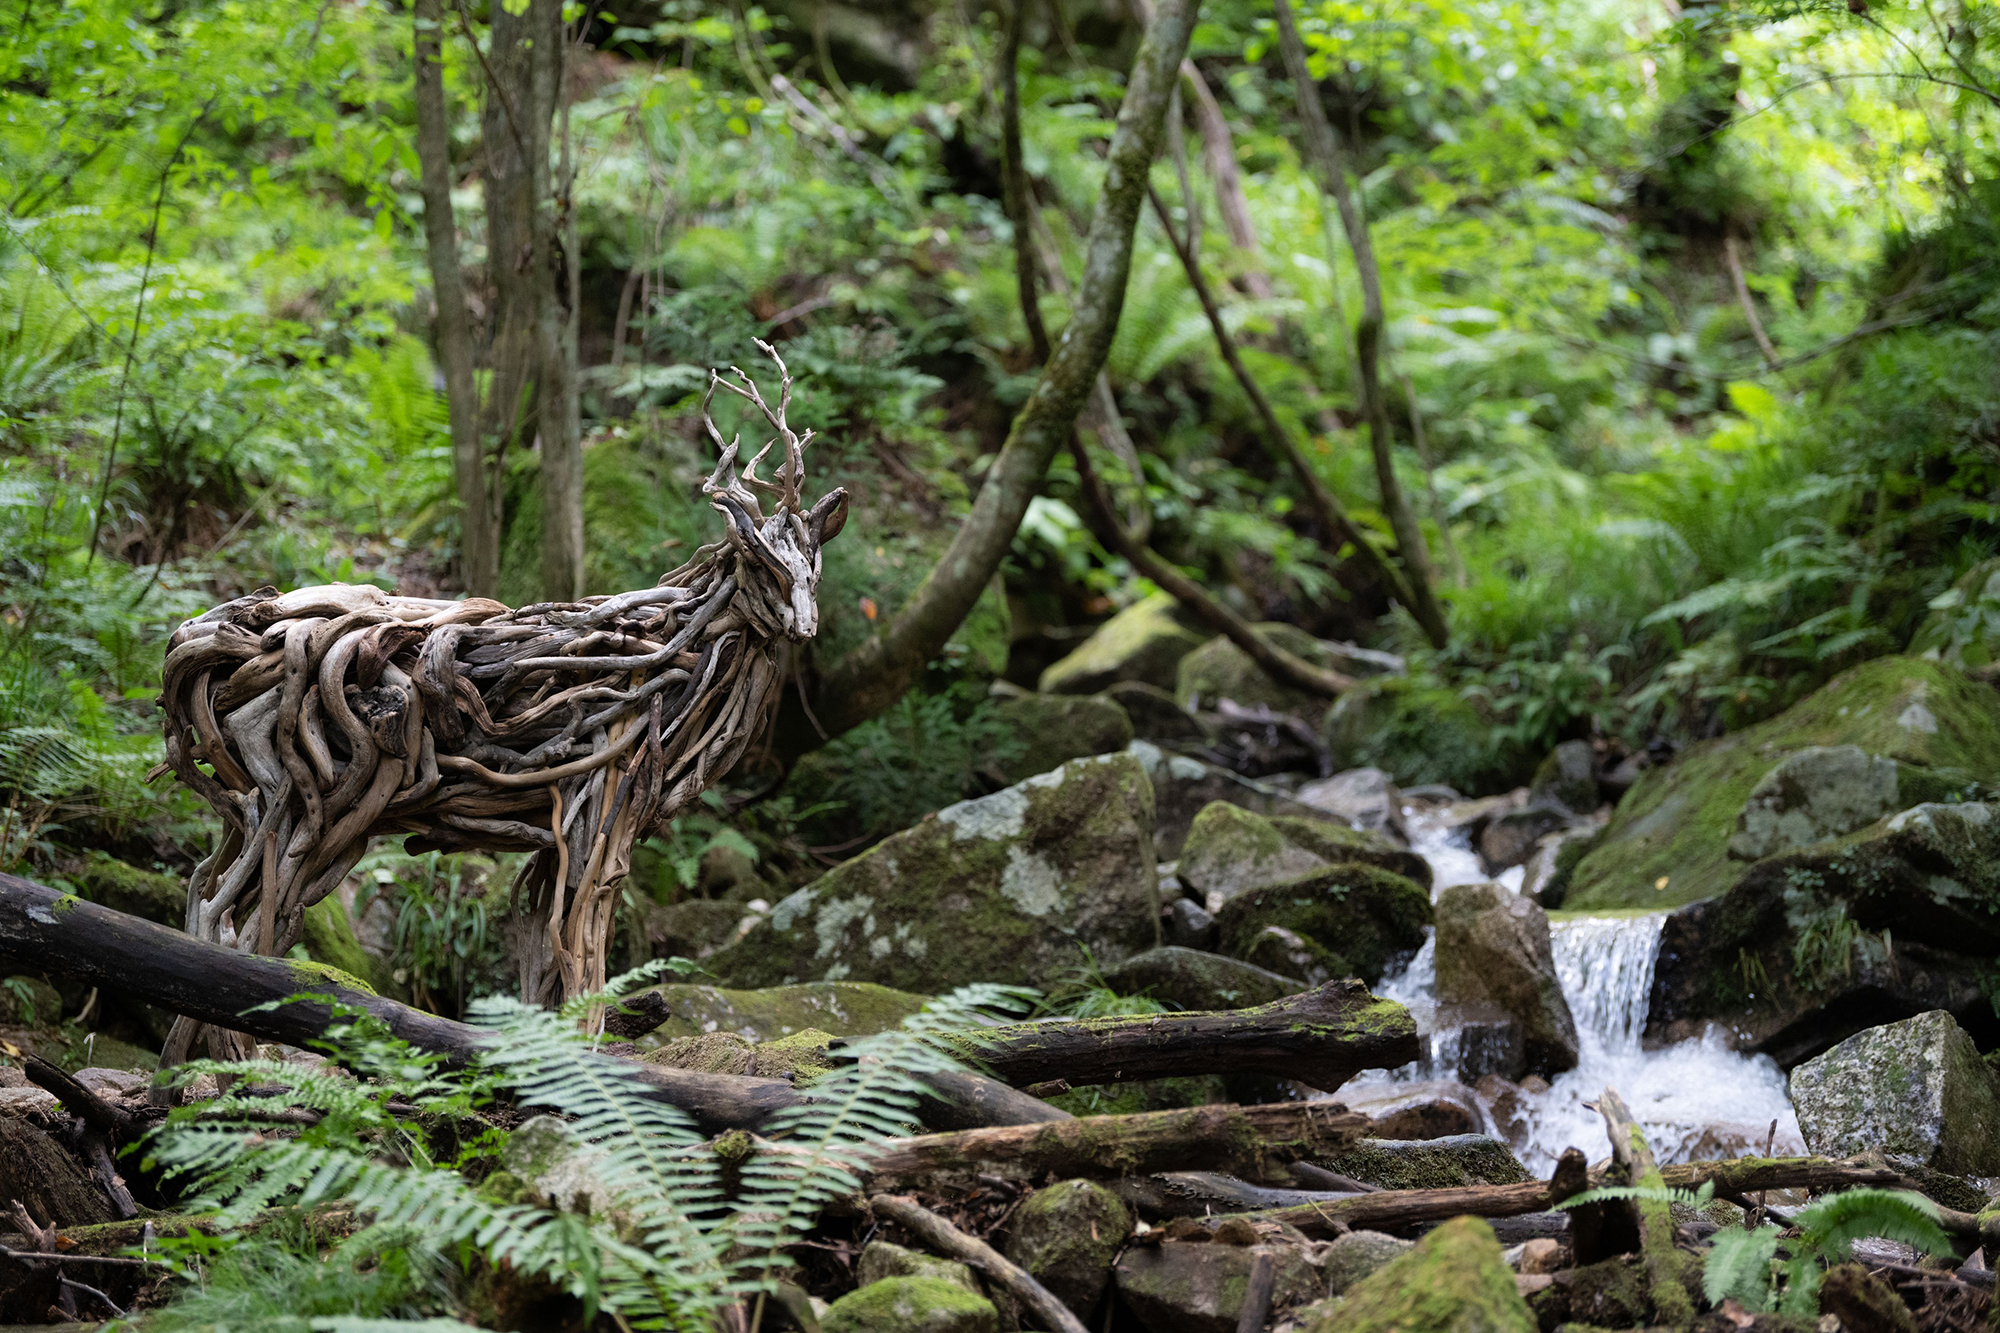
[[26, 1101], [1197, 1287], [1410, 1111], [1817, 793], [880, 1260], [1220, 670], [1917, 1088], [1365, 797], [1354, 920], [1145, 642], [1510, 839], [1494, 963], [1067, 1237], [1184, 787], [1347, 1259], [1004, 888], [1192, 979], [1447, 1163], [910, 1305], [1231, 851], [1189, 925], [1567, 778]]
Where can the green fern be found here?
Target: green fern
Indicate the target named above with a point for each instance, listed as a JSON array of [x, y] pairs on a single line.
[[1741, 1265], [1739, 1268], [1695, 1198]]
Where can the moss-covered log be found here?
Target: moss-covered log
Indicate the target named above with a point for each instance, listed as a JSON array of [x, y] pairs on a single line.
[[1321, 1037]]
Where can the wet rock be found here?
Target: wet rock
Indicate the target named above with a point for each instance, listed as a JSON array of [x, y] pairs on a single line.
[[843, 1008], [1155, 714], [1423, 735], [1067, 1237], [1230, 851], [1365, 797], [1916, 1088], [1353, 920], [1811, 946], [48, 1182], [28, 1001], [1567, 779], [1963, 628], [1452, 1281], [1144, 643], [881, 1260], [694, 927], [1820, 792], [1004, 888], [1182, 1286], [1219, 670], [1411, 1111], [1191, 979], [1668, 842], [911, 1305], [1510, 839], [1187, 924], [1448, 1163], [1548, 869], [1052, 729], [1347, 1259], [1494, 959]]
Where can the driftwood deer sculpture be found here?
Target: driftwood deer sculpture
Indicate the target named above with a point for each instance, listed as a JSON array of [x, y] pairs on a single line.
[[319, 720]]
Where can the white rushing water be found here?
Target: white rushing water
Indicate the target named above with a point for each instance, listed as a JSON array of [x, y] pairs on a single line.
[[1695, 1099]]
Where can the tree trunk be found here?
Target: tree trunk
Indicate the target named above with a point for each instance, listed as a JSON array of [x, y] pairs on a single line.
[[1331, 162], [479, 527], [1014, 193], [877, 673]]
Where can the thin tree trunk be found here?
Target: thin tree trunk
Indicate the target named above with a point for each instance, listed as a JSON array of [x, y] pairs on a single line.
[[1014, 182], [877, 673], [562, 426], [1327, 156], [479, 539]]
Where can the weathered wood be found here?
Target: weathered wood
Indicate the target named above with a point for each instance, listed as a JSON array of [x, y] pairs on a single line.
[[1663, 1265], [1009, 1276], [1253, 1142], [1321, 1037], [1593, 1235], [47, 931], [1169, 1194], [1257, 1294]]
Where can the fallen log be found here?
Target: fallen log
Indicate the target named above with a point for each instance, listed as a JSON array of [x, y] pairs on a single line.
[[1321, 1037], [1169, 1194], [42, 930], [1663, 1264], [1004, 1273]]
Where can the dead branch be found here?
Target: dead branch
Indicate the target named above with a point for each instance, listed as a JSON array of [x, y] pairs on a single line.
[[1010, 1277]]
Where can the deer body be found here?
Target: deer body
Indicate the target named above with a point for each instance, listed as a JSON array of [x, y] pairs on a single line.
[[319, 720]]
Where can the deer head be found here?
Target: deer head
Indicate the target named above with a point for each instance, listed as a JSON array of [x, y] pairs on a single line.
[[778, 567]]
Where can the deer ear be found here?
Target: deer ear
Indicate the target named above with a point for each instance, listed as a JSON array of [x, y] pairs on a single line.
[[828, 517]]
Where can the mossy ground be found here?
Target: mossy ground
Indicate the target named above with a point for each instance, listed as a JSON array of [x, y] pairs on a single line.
[[1448, 1163]]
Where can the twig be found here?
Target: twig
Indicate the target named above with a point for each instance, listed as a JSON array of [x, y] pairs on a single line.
[[1742, 286], [1257, 1294], [1011, 1277], [89, 1290]]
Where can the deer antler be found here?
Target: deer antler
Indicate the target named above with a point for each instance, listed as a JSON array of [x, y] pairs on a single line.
[[792, 472]]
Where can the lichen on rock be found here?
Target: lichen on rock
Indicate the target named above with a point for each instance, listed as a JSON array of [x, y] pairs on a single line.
[[1917, 1088], [1231, 850]]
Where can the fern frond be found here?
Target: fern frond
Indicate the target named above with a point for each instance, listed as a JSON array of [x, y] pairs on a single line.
[[1829, 1226], [1739, 1267], [1648, 1193]]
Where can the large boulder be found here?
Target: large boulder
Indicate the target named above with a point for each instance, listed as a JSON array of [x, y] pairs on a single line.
[[911, 1305], [1424, 734], [1917, 1089], [1495, 966], [1811, 946], [1185, 1286], [1067, 1236], [1963, 627], [1196, 980], [1145, 642], [1821, 792], [1365, 797], [1353, 920], [842, 1008], [1049, 730], [1220, 670], [1007, 888], [1455, 1280], [1668, 842], [1231, 851]]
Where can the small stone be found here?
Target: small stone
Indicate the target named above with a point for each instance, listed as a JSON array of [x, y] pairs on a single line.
[[1345, 1260], [1541, 1255], [1510, 839], [911, 1305], [1067, 1236], [1189, 925], [1235, 1231], [1917, 1088], [1365, 797], [1431, 1110], [1452, 1281], [880, 1260], [1567, 778]]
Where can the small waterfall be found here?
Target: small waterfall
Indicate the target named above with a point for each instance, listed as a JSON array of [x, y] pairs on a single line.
[[1605, 964]]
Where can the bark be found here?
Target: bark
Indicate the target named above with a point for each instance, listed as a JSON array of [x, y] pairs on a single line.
[[1014, 182], [46, 931], [1203, 1193], [1663, 1263], [479, 541], [1010, 1277], [877, 673], [1331, 162], [1321, 1037], [1246, 1141], [1741, 286]]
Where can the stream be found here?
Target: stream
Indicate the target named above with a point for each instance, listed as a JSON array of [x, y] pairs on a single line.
[[1695, 1099]]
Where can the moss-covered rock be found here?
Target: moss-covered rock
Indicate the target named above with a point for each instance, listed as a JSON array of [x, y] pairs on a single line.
[[1821, 792], [1963, 628], [842, 1008], [1916, 1088], [1067, 1237], [1668, 843], [1430, 1164], [1494, 960], [1155, 714], [1145, 643], [123, 887], [1231, 850], [1423, 734], [1454, 1280], [1194, 979], [1005, 888], [1052, 729], [1198, 1286], [329, 938], [1363, 798], [1357, 920], [911, 1305], [1353, 1255], [1566, 777], [1220, 670], [1807, 947], [1184, 787], [881, 1260], [800, 1057]]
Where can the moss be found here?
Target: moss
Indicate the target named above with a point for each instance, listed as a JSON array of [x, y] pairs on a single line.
[[842, 1008], [1145, 642], [123, 887], [1676, 822], [315, 976], [910, 1305], [880, 1259], [1052, 729], [1452, 1162], [1453, 1281], [1358, 918], [1067, 1237], [1220, 670], [329, 938], [1158, 1094], [1422, 734]]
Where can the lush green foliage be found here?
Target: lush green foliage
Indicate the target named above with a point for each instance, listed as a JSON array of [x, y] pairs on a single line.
[[1744, 1265]]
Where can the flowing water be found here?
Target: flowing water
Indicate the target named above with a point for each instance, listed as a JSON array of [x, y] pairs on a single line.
[[1696, 1099]]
